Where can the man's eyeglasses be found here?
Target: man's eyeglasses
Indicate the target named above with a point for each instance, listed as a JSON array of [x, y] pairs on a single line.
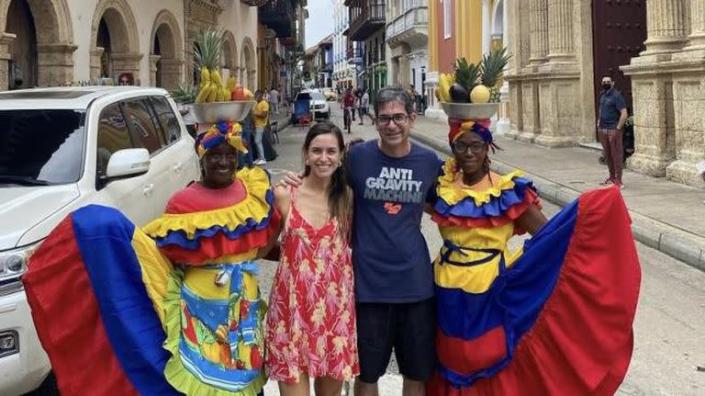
[[399, 119], [475, 148]]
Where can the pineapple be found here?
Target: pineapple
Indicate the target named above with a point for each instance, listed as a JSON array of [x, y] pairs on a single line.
[[208, 50], [466, 74], [492, 67]]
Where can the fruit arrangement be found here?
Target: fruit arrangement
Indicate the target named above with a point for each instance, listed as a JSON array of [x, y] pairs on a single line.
[[211, 89], [473, 83]]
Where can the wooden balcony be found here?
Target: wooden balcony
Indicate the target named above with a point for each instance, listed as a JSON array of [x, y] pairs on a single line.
[[366, 17], [279, 16]]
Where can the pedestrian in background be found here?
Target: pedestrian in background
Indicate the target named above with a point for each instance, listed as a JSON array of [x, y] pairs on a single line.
[[274, 100], [364, 109], [610, 126], [261, 115]]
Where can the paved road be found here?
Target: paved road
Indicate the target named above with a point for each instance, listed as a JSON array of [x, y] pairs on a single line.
[[669, 350]]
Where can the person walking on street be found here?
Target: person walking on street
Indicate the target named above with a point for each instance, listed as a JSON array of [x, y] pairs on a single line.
[[610, 125], [274, 100], [392, 180], [364, 109], [261, 113], [348, 109]]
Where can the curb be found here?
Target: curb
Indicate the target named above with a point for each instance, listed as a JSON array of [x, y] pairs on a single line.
[[667, 239]]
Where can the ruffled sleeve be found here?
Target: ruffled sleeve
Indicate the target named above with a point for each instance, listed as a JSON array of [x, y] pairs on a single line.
[[223, 233], [505, 202]]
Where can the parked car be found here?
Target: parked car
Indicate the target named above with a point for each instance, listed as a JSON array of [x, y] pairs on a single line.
[[318, 103], [64, 148]]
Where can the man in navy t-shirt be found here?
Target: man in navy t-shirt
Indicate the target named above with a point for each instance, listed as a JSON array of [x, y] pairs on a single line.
[[392, 179], [610, 124]]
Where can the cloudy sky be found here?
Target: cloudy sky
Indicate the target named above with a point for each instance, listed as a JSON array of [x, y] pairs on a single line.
[[320, 21]]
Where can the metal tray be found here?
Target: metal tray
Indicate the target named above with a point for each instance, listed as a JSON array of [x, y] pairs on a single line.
[[213, 112], [470, 111]]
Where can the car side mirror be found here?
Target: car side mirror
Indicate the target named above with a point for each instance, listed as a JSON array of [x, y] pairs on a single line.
[[127, 163]]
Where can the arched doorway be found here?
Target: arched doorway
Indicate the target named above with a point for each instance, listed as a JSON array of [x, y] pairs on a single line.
[[22, 44], [23, 70], [497, 38], [248, 65], [166, 61], [229, 58], [114, 43]]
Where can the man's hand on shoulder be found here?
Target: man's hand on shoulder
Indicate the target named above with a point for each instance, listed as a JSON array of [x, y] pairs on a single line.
[[290, 179]]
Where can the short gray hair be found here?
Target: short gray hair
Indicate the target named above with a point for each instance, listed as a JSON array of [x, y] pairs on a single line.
[[393, 94]]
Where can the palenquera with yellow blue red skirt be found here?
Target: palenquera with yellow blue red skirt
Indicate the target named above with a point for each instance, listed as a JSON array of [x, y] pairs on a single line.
[[173, 308], [552, 318]]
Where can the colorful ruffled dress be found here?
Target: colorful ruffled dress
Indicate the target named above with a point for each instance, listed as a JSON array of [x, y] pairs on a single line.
[[311, 319], [553, 318], [171, 309]]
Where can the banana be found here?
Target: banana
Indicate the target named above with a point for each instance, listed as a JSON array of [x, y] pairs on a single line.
[[205, 77], [444, 85], [215, 77], [203, 93], [219, 94], [226, 94], [212, 91]]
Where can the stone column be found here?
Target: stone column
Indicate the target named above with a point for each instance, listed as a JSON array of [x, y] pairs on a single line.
[[560, 30], [539, 31], [652, 75], [666, 27], [153, 60], [696, 39], [55, 64], [95, 63], [6, 40], [172, 73], [486, 28]]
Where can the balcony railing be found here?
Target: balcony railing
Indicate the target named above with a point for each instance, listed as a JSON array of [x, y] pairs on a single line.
[[278, 15], [366, 16], [412, 18], [254, 3]]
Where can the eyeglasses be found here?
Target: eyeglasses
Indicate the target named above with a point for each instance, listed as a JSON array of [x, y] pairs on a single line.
[[399, 119], [475, 148]]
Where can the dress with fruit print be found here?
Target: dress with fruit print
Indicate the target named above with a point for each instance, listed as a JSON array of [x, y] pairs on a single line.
[[311, 319]]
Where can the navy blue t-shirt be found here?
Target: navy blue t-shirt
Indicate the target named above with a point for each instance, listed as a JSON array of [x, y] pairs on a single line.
[[390, 256], [611, 104]]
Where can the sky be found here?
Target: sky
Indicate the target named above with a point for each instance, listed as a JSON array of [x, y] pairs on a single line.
[[320, 21]]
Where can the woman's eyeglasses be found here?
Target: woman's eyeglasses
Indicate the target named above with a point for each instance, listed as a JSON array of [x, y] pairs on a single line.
[[475, 148], [399, 119]]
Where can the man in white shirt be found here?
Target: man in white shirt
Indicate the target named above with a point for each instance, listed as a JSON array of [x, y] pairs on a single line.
[[274, 100]]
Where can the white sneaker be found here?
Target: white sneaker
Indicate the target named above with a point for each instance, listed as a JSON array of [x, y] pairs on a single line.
[[260, 162]]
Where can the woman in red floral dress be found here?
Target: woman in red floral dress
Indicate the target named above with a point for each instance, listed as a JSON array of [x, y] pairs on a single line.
[[310, 330]]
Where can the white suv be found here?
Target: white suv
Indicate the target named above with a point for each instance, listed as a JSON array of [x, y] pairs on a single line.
[[318, 104], [64, 148]]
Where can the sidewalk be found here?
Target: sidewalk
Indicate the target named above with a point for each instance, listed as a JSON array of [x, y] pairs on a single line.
[[666, 216]]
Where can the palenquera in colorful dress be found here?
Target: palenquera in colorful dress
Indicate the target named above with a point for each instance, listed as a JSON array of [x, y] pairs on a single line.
[[171, 309], [553, 318]]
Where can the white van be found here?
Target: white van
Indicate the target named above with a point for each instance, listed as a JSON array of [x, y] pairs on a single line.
[[64, 148]]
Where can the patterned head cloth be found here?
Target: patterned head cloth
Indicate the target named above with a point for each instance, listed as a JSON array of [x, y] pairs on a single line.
[[222, 132], [480, 127]]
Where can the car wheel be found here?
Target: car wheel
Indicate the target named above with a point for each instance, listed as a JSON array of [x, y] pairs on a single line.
[[48, 387]]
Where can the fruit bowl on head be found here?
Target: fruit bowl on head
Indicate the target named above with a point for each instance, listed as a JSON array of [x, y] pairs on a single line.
[[213, 112], [470, 111]]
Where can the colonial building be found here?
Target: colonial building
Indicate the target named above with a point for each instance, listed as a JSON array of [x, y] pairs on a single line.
[[561, 48], [460, 28], [58, 42], [347, 56], [668, 85], [281, 34], [407, 39], [367, 25]]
